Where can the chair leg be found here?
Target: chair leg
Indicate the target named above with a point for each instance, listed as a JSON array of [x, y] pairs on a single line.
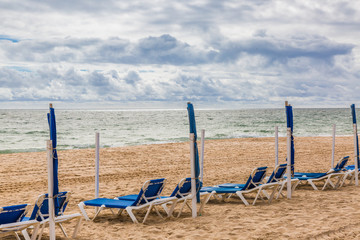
[[273, 193], [202, 205], [221, 197], [157, 212], [166, 209], [280, 191], [209, 196], [312, 184], [63, 230], [82, 210], [257, 195], [17, 236], [35, 232], [294, 186], [187, 204], [77, 228], [170, 211], [120, 212], [352, 178], [326, 183], [97, 213], [242, 198], [25, 234], [344, 179], [331, 183], [132, 216], [265, 193], [41, 231], [147, 213], [338, 182]]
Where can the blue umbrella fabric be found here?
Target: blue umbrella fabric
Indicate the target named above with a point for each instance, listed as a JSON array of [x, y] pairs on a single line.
[[290, 124], [192, 124], [52, 127], [353, 112]]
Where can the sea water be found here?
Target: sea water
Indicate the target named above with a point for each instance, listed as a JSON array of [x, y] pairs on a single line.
[[27, 130]]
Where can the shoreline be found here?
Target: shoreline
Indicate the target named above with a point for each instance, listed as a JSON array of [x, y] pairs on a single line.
[[11, 151]]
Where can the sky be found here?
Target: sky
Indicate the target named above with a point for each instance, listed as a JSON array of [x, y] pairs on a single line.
[[163, 53]]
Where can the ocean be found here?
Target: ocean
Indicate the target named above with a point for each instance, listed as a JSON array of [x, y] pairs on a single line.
[[27, 130]]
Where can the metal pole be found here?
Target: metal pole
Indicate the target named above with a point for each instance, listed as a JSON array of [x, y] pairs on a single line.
[[97, 148], [356, 156], [193, 183], [276, 145], [50, 189], [202, 155], [288, 167], [333, 147]]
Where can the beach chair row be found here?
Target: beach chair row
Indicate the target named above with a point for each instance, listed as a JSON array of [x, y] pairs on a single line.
[[13, 219]]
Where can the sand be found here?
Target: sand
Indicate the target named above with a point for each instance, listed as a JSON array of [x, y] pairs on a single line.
[[329, 214]]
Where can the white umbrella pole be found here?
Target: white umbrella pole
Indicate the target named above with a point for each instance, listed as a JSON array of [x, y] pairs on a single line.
[[288, 167], [202, 155], [333, 147], [276, 145], [50, 190], [356, 156], [97, 148], [193, 183]]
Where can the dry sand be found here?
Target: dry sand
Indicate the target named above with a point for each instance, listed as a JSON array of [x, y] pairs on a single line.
[[329, 214]]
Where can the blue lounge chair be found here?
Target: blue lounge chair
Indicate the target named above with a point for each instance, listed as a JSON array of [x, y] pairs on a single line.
[[336, 173], [11, 222], [253, 184], [148, 197], [181, 193], [40, 213]]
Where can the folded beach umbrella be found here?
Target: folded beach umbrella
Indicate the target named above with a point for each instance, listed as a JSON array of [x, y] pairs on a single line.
[[355, 129], [52, 127], [289, 121], [356, 145], [192, 124]]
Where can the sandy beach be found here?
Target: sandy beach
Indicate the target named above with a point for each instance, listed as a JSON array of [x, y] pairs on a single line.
[[329, 214]]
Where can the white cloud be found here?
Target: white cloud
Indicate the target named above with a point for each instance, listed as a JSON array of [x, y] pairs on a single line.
[[205, 50]]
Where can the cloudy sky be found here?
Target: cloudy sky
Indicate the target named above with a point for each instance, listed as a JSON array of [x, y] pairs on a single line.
[[163, 53]]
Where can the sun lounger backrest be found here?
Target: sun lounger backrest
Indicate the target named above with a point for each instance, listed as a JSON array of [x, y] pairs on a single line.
[[11, 214], [278, 173], [150, 191], [256, 177], [342, 162], [41, 208], [184, 188]]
